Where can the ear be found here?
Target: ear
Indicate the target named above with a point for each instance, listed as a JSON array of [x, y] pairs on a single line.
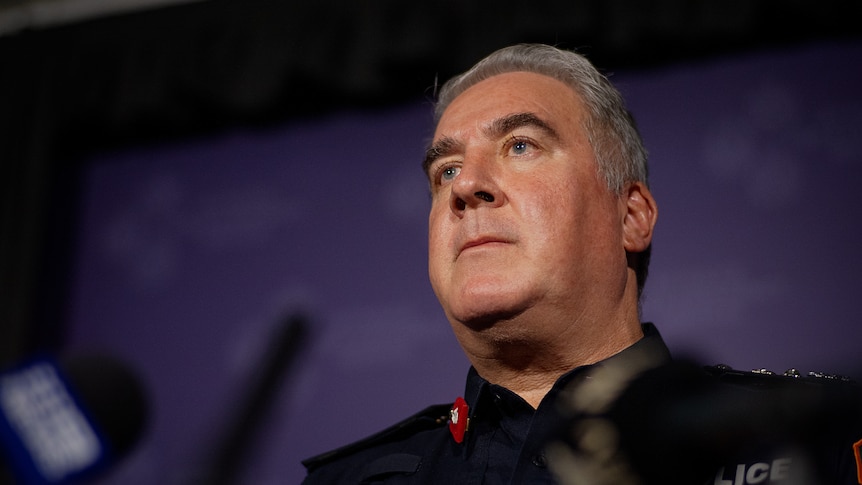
[[641, 214]]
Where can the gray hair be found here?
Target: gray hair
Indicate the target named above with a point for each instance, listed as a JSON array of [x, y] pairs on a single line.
[[612, 132]]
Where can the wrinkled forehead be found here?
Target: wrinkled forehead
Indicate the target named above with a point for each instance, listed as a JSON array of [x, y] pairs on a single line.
[[484, 103]]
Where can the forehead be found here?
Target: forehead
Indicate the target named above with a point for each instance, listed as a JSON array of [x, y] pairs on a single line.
[[514, 92]]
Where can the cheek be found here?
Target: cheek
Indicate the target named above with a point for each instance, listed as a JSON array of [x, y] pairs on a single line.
[[572, 222], [437, 239], [438, 268], [553, 212], [434, 227], [539, 194]]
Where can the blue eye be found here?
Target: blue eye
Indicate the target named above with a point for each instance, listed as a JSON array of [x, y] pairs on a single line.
[[449, 173], [520, 146]]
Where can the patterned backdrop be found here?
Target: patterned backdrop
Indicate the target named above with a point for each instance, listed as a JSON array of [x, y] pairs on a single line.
[[191, 252]]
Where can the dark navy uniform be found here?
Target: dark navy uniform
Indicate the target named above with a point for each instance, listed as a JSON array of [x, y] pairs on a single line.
[[506, 441], [804, 430]]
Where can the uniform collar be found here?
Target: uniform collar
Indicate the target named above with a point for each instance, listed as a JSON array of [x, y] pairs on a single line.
[[651, 344]]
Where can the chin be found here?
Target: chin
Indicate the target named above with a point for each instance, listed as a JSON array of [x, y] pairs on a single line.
[[480, 301], [483, 317]]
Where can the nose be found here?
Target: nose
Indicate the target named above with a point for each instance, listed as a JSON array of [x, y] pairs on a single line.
[[475, 186]]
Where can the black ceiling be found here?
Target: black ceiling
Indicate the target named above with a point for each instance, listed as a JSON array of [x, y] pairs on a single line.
[[204, 65]]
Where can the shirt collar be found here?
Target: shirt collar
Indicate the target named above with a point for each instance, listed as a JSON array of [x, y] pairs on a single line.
[[651, 345]]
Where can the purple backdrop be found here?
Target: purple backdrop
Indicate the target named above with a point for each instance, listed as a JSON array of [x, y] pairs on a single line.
[[190, 252]]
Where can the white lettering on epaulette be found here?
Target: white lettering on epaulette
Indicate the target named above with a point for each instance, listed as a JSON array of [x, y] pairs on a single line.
[[755, 473], [720, 480], [780, 468]]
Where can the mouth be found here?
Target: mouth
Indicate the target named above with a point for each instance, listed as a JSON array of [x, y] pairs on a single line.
[[484, 241]]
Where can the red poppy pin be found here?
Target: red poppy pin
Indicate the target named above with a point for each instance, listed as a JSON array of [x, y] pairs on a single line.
[[459, 419]]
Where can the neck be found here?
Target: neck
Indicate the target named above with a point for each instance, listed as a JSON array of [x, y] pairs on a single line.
[[529, 365]]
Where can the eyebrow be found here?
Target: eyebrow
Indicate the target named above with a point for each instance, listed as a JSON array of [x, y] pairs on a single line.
[[498, 128], [502, 126], [443, 147]]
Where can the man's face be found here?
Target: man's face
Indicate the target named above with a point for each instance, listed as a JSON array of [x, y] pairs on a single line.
[[520, 220]]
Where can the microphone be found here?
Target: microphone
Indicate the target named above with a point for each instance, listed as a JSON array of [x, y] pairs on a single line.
[[225, 458], [67, 420]]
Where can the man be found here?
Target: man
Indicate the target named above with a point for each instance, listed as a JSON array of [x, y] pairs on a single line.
[[540, 228]]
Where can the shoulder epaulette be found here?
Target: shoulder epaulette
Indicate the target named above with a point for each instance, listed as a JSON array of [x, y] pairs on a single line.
[[429, 418], [767, 378]]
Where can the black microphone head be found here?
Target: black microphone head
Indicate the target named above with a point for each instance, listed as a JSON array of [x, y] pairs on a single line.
[[113, 395]]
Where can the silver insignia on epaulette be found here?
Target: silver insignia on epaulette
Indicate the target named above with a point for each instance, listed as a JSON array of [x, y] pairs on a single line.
[[835, 377], [765, 372]]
